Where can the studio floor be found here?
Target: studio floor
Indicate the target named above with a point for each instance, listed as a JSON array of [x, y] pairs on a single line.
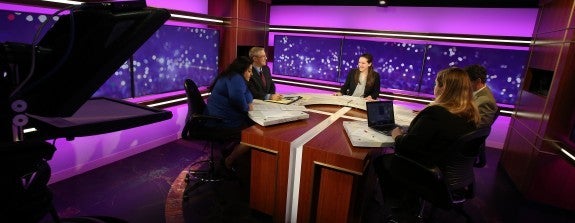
[[150, 188]]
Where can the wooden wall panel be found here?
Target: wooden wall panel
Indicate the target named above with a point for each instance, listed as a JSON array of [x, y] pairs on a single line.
[[554, 16], [248, 25], [222, 8], [516, 159], [538, 171], [544, 56], [548, 38], [570, 37], [252, 33], [561, 116], [254, 10], [552, 180], [529, 111]]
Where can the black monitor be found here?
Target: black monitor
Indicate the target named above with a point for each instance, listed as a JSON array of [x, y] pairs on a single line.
[[81, 51]]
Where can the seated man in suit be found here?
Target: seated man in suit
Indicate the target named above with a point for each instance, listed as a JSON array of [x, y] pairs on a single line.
[[261, 84], [482, 95]]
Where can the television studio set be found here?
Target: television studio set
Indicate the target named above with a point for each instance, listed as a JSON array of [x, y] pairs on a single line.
[[134, 111]]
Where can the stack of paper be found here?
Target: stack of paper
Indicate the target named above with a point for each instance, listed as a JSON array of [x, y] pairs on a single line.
[[266, 113], [361, 135]]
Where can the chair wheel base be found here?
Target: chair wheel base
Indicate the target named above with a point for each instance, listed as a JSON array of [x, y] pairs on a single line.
[[207, 176]]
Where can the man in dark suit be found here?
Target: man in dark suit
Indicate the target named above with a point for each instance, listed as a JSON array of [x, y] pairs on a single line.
[[261, 84], [482, 94]]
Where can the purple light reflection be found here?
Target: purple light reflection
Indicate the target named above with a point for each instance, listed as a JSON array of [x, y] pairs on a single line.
[[452, 20], [271, 37], [23, 8], [197, 6]]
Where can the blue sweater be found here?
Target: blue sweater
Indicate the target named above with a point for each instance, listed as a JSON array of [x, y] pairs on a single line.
[[229, 100]]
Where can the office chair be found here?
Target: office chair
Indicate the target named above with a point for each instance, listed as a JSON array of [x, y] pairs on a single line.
[[447, 187], [481, 160], [195, 129], [25, 175]]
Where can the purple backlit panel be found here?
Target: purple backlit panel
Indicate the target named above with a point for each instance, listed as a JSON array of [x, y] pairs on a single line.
[[21, 27], [118, 85], [174, 54], [505, 67], [398, 64], [197, 6], [452, 20], [307, 57]]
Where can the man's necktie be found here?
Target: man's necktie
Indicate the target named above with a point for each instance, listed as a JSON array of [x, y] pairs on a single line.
[[263, 79]]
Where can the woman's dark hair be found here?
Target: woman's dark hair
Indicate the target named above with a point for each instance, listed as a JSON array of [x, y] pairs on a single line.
[[370, 71], [238, 66]]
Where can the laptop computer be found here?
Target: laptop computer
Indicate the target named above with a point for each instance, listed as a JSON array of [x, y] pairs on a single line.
[[380, 116]]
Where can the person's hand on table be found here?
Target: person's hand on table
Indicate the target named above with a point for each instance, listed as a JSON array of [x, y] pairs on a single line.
[[337, 94], [369, 98], [276, 97], [395, 132]]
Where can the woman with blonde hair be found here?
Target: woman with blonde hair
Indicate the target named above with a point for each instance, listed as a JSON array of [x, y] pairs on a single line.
[[451, 115]]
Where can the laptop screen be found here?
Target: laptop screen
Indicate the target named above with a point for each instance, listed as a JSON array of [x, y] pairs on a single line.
[[380, 113]]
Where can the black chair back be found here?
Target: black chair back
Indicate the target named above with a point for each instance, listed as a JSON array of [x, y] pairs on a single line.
[[458, 167], [196, 107], [194, 127], [196, 103], [481, 160], [448, 184]]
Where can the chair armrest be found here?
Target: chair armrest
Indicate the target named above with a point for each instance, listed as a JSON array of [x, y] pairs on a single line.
[[405, 164], [205, 118]]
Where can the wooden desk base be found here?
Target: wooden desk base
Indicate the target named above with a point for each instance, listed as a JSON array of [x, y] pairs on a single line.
[[335, 178]]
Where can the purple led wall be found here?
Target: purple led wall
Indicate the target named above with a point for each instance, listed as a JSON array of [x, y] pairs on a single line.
[[398, 64], [119, 85], [307, 57], [505, 67], [505, 77], [173, 54], [402, 66], [21, 27], [449, 20], [197, 6]]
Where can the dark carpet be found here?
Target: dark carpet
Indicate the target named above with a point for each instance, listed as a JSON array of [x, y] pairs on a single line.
[[150, 187]]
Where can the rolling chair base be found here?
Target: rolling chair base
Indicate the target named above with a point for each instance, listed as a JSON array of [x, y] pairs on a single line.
[[207, 175], [198, 177]]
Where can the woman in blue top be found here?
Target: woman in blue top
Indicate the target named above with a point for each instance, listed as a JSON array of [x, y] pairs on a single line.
[[231, 100]]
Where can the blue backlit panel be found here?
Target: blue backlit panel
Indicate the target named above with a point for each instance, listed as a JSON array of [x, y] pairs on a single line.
[[173, 54], [398, 64], [118, 85], [22, 26], [505, 67], [307, 57]]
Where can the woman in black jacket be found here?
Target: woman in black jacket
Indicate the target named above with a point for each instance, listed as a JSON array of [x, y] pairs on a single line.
[[363, 81]]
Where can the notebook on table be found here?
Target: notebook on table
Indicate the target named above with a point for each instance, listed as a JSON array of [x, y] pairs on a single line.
[[286, 100], [266, 114], [380, 116]]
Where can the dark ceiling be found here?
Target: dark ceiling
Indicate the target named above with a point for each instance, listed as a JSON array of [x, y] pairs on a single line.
[[421, 3]]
